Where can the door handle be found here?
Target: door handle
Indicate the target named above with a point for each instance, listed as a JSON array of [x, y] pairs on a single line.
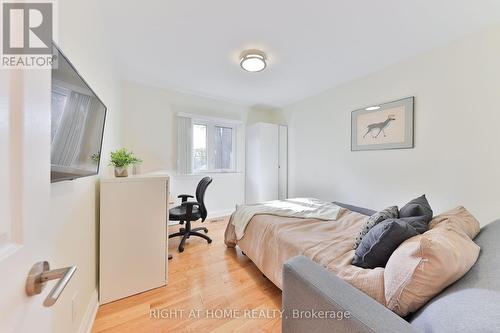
[[38, 276]]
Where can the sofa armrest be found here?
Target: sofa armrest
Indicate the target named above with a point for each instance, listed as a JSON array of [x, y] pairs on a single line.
[[315, 300]]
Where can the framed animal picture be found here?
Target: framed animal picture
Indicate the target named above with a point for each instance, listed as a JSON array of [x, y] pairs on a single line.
[[383, 126]]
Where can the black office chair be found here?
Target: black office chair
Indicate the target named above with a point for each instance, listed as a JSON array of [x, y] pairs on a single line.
[[190, 211]]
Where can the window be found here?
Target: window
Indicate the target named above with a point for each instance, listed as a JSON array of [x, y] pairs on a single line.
[[206, 144], [213, 146], [200, 159], [223, 149]]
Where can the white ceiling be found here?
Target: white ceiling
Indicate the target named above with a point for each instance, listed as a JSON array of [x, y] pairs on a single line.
[[311, 45]]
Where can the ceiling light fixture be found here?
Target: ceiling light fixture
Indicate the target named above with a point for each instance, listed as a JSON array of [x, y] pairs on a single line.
[[253, 60], [372, 108]]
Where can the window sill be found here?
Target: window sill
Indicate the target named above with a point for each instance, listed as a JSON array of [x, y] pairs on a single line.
[[211, 174]]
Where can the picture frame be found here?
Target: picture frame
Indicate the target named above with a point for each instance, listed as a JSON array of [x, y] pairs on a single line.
[[384, 126]]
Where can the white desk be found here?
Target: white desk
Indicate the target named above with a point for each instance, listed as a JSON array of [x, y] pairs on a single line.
[[133, 235]]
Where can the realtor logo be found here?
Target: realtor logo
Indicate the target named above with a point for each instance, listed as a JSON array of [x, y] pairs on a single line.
[[27, 29]]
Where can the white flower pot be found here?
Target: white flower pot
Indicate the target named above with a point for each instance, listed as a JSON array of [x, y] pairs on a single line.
[[121, 172]]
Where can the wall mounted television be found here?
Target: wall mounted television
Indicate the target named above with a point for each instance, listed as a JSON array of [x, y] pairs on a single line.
[[77, 124]]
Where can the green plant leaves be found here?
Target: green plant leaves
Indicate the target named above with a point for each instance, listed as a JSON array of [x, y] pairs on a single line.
[[122, 158]]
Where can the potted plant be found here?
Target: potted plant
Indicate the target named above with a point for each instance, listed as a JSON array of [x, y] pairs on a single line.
[[96, 157], [121, 159]]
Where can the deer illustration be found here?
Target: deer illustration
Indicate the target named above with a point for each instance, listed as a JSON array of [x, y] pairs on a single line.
[[380, 126]]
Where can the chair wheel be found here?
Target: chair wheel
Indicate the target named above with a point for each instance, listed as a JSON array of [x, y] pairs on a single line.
[[181, 249], [206, 231], [209, 241]]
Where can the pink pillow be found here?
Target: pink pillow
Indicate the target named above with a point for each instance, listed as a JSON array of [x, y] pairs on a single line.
[[422, 266]]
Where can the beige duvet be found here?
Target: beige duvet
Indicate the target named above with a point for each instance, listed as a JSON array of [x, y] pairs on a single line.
[[270, 240]]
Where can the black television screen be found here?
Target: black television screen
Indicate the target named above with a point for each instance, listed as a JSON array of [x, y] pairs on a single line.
[[77, 124]]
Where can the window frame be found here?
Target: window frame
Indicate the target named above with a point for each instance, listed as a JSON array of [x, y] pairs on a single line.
[[210, 142]]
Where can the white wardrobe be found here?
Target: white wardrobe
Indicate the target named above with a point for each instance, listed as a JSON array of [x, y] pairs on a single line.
[[266, 162]]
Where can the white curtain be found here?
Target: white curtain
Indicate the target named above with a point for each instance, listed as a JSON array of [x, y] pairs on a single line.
[[68, 138], [184, 145]]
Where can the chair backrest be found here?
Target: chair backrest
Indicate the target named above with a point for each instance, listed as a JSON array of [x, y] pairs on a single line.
[[200, 195]]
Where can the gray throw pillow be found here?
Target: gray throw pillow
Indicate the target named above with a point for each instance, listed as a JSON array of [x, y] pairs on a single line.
[[378, 245], [388, 213], [418, 213]]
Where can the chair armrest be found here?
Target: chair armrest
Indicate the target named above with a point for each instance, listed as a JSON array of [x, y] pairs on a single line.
[[308, 288], [184, 197], [189, 207]]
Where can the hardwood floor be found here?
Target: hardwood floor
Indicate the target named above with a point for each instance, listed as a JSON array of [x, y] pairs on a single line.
[[211, 289]]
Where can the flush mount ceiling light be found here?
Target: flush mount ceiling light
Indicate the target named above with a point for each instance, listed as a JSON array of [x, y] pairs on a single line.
[[372, 108], [253, 60]]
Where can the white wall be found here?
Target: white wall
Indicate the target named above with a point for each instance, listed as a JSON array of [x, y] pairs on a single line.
[[149, 128], [455, 160], [74, 204], [224, 193], [262, 113], [149, 123]]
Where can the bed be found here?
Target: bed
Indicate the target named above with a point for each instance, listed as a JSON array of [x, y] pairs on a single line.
[[270, 240]]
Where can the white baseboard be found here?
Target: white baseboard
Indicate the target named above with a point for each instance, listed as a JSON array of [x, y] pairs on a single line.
[[220, 213], [90, 313]]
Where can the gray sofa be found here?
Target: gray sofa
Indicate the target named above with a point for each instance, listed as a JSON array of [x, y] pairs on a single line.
[[315, 300]]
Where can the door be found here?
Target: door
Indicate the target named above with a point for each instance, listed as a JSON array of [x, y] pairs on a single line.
[[283, 163], [268, 162], [25, 235], [262, 163]]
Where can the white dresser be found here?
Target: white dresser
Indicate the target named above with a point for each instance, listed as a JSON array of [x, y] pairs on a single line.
[[133, 235]]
